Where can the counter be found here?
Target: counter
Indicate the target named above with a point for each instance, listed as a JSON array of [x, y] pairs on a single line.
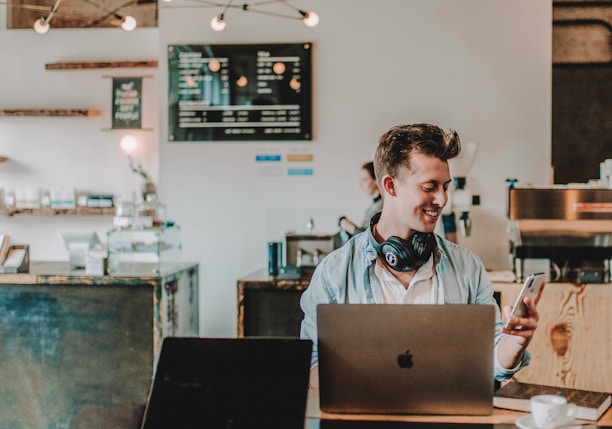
[[78, 351], [270, 305], [501, 418], [571, 348]]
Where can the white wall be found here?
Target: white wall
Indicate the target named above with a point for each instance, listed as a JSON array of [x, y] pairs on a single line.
[[77, 152], [480, 66]]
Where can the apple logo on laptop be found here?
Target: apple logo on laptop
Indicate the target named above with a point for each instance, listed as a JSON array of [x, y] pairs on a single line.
[[405, 360]]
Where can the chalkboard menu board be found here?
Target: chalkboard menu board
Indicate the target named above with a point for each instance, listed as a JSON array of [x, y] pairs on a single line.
[[240, 92]]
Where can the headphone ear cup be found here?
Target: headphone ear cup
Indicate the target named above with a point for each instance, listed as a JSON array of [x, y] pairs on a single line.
[[407, 256], [396, 253], [422, 245]]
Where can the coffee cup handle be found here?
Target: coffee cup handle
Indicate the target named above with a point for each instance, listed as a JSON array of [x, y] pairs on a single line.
[[571, 410]]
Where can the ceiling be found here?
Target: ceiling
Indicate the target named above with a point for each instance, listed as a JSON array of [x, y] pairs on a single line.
[[81, 13], [108, 13]]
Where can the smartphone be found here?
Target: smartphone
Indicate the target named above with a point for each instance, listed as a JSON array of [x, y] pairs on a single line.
[[533, 286]]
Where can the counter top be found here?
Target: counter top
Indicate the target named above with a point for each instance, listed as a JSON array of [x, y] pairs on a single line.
[[293, 276], [499, 415], [59, 272]]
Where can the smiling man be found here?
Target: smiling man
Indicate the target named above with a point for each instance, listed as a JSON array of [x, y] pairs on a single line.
[[400, 260]]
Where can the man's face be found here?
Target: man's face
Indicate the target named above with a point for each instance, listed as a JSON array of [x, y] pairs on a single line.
[[421, 192]]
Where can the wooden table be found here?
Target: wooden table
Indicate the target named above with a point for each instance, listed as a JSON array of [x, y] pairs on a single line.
[[499, 416]]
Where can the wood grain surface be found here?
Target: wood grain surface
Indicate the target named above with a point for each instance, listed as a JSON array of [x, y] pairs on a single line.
[[572, 346]]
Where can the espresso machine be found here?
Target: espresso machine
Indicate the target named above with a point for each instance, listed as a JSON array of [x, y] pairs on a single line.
[[571, 227], [305, 251]]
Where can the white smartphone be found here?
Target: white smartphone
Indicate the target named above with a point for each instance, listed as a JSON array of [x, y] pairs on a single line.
[[533, 286]]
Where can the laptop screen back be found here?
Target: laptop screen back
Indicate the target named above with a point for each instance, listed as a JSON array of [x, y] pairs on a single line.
[[406, 359], [229, 383]]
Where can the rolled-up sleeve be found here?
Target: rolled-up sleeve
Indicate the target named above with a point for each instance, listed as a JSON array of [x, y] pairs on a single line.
[[313, 296]]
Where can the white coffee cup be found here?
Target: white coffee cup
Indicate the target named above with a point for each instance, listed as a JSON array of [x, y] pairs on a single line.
[[551, 411]]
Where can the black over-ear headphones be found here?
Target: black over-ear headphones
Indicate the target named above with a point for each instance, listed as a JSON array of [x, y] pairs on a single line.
[[402, 255]]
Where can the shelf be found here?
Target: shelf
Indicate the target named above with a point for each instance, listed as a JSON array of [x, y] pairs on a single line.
[[49, 112], [79, 211], [88, 65]]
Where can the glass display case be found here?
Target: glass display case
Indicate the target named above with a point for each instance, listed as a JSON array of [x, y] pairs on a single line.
[[154, 248]]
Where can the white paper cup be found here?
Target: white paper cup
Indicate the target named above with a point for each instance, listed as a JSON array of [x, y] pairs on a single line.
[[551, 411]]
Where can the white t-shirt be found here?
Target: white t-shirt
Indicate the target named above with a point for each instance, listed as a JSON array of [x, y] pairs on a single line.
[[423, 288]]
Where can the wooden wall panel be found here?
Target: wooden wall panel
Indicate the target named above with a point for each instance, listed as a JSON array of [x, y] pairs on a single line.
[[573, 344]]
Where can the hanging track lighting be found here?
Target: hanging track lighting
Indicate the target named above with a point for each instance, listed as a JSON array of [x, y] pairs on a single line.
[[127, 22], [41, 25], [218, 22]]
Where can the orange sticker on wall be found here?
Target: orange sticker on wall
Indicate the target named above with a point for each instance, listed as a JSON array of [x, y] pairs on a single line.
[[300, 157]]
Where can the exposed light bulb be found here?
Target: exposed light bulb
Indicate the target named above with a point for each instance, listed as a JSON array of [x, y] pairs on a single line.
[[128, 23], [128, 143], [41, 26], [311, 19], [217, 23]]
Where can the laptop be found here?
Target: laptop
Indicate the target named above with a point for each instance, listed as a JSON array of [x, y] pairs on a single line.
[[406, 359], [229, 383]]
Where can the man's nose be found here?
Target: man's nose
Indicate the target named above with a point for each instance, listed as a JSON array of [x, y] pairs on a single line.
[[441, 197]]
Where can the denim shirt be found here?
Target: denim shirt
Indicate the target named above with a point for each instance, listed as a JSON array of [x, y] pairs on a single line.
[[460, 273]]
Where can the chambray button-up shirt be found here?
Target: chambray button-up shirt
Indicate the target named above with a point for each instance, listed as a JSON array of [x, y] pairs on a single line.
[[459, 272]]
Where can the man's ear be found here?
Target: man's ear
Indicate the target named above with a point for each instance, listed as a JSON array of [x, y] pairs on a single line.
[[388, 185]]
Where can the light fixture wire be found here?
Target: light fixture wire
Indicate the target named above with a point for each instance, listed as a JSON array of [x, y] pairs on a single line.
[[128, 23], [218, 22]]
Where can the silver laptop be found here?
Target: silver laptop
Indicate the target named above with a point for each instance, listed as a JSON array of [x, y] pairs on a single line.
[[406, 359]]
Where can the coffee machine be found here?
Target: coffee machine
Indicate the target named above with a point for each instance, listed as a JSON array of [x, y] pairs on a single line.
[[570, 226]]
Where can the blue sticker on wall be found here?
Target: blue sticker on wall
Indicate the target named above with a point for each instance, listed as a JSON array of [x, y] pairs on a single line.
[[300, 172], [267, 158]]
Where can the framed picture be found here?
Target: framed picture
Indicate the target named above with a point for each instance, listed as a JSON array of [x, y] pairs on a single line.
[[240, 92], [127, 103]]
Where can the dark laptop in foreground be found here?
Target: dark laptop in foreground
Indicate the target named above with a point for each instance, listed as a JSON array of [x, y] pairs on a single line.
[[406, 359], [229, 383]]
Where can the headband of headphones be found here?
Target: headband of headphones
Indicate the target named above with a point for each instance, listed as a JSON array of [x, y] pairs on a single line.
[[403, 255]]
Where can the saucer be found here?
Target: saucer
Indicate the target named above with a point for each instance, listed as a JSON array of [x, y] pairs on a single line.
[[526, 422]]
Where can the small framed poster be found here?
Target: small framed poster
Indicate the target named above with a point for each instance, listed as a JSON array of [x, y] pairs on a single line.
[[127, 103], [248, 92]]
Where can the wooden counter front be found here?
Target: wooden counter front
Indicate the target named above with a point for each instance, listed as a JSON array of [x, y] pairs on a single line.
[[78, 351], [269, 305]]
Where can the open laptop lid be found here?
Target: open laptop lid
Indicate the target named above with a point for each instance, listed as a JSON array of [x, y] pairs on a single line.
[[229, 383], [406, 359]]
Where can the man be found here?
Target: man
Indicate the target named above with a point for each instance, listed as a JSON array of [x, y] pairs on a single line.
[[400, 260]]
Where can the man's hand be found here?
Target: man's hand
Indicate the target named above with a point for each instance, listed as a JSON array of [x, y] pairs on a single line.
[[347, 225], [512, 347]]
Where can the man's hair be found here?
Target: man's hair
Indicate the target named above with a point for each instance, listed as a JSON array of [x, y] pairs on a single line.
[[397, 144], [369, 167]]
